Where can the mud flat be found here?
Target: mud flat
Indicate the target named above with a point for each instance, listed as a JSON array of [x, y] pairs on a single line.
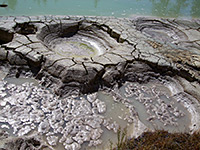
[[68, 81]]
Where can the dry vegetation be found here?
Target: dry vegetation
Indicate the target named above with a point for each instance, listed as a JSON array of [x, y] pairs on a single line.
[[159, 140]]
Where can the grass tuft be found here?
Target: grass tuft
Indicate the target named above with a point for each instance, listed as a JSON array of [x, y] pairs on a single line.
[[159, 140], [121, 139]]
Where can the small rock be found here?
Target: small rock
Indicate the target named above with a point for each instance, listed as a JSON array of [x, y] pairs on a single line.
[[52, 140]]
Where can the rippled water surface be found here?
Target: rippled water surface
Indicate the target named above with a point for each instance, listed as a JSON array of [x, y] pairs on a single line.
[[118, 8]]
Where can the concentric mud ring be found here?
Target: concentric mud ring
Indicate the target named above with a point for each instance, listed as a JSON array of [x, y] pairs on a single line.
[[75, 39]]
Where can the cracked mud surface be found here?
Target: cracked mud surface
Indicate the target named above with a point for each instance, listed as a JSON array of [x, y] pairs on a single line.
[[60, 46], [75, 55]]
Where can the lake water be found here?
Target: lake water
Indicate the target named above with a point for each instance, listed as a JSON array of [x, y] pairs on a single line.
[[117, 8]]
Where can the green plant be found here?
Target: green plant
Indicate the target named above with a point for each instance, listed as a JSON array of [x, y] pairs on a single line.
[[121, 140]]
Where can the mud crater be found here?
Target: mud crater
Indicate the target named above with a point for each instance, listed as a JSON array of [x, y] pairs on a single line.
[[76, 39], [161, 31]]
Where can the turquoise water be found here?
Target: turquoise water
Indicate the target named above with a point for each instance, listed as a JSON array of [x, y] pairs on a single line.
[[117, 8]]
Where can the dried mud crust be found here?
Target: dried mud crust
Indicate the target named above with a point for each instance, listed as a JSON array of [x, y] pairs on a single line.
[[164, 44]]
